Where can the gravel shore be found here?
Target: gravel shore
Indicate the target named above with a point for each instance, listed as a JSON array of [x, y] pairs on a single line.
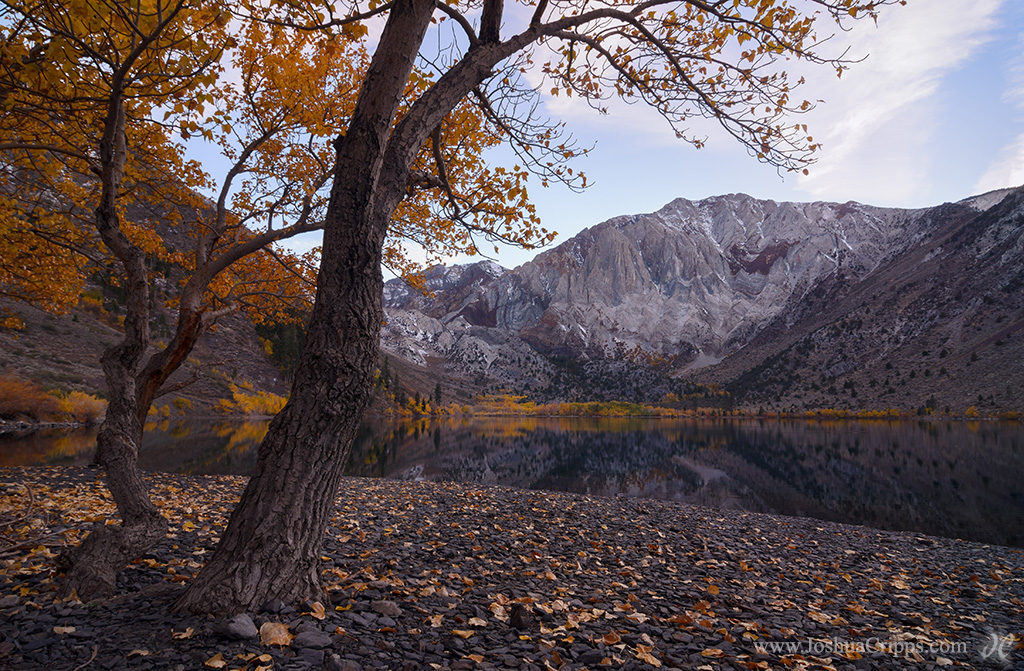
[[444, 576]]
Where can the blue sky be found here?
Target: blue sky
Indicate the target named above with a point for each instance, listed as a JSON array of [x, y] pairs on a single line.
[[935, 113]]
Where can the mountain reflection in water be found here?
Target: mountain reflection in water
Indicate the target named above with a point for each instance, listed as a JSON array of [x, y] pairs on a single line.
[[955, 479]]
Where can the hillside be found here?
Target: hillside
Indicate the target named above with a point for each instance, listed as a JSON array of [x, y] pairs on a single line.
[[63, 352]]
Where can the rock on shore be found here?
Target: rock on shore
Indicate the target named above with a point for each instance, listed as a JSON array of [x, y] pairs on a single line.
[[444, 576]]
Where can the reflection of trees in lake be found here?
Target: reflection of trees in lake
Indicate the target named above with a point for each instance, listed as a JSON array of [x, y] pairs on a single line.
[[48, 447], [208, 448], [948, 478], [951, 478]]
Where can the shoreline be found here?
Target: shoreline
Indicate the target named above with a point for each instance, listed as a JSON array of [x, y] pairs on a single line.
[[23, 427], [423, 574]]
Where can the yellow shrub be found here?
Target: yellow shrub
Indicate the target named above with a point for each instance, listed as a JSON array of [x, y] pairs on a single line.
[[12, 323], [181, 404], [23, 398], [82, 407], [258, 403]]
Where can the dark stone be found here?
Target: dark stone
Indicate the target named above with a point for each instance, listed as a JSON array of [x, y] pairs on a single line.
[[389, 608], [521, 618], [314, 658], [39, 643], [312, 639], [239, 628], [273, 606]]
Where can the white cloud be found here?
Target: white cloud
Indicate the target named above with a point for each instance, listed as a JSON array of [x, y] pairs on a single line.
[[876, 123], [1014, 94], [1007, 170]]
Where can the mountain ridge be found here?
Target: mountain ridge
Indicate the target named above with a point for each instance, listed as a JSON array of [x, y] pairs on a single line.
[[686, 286]]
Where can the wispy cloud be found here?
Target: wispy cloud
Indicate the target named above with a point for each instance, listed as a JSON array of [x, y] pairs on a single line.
[[1007, 170], [879, 119], [1008, 167], [877, 122]]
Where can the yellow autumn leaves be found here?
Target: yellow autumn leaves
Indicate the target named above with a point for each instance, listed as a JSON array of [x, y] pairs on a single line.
[[270, 98]]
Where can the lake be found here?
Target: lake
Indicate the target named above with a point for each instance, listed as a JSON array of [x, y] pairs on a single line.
[[954, 479]]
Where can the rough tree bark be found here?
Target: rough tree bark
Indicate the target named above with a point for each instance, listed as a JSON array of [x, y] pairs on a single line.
[[92, 567], [272, 545]]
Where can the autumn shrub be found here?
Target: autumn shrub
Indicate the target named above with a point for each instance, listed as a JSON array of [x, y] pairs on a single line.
[[159, 412], [82, 407], [24, 399], [182, 405], [11, 322], [256, 403]]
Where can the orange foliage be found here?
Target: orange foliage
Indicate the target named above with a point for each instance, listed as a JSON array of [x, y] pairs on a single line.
[[82, 407], [508, 404], [24, 399]]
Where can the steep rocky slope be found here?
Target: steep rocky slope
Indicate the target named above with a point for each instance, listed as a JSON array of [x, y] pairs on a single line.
[[939, 326], [717, 290], [785, 305]]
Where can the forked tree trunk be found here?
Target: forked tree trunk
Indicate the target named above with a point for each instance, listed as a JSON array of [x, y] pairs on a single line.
[[271, 547], [92, 567]]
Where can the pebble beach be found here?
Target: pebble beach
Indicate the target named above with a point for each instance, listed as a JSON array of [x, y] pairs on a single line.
[[426, 575]]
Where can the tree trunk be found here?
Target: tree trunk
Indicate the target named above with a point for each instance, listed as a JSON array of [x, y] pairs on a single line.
[[92, 567], [272, 545]]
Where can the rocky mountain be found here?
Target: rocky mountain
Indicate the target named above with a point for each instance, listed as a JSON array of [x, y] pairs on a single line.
[[712, 290], [783, 305]]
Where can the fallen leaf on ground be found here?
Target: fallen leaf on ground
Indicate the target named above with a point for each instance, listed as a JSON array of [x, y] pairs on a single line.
[[643, 653], [275, 633]]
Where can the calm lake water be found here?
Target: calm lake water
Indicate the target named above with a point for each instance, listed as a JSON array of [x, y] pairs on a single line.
[[955, 479]]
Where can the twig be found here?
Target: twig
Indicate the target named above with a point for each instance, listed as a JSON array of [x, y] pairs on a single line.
[[25, 545], [95, 649]]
